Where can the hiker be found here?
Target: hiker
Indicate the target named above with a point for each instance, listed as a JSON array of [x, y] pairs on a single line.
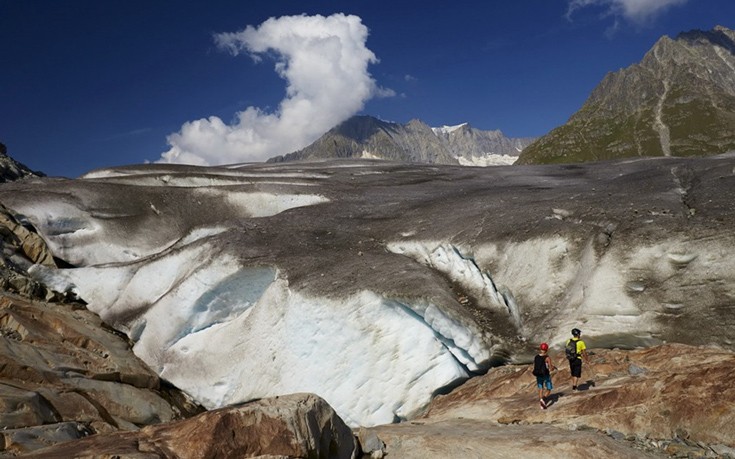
[[576, 351], [542, 368]]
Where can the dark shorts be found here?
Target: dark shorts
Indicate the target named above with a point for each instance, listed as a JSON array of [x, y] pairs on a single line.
[[576, 367]]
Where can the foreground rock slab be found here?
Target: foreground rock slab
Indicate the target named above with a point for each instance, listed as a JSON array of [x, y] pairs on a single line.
[[659, 396], [293, 426], [666, 401], [475, 439]]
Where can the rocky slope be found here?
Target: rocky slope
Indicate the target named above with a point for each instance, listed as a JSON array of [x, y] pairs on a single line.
[[678, 101], [370, 138]]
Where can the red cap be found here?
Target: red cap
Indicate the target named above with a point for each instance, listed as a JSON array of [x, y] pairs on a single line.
[[544, 347]]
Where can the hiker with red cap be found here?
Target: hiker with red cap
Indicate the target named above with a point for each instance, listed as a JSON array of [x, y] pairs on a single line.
[[542, 368]]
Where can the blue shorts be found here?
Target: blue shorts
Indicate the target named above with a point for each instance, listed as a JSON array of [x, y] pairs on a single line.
[[541, 380]]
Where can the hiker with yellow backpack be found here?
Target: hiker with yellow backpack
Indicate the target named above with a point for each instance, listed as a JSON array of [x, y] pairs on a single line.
[[576, 351]]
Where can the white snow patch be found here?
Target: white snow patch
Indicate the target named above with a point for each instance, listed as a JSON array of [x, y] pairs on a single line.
[[487, 160], [201, 233], [569, 285], [201, 177], [368, 155], [198, 181], [260, 204], [447, 129], [74, 235], [170, 285], [462, 269], [536, 269]]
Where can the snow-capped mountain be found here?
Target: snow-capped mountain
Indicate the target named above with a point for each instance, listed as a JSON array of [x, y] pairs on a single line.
[[367, 137]]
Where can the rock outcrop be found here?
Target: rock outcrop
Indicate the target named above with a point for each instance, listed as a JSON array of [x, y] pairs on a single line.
[[292, 426], [64, 375], [678, 101], [20, 248], [370, 138]]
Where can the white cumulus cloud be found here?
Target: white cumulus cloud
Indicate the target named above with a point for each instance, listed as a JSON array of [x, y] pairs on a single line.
[[324, 62], [638, 11]]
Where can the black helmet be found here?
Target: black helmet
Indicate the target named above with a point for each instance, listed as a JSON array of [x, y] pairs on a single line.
[[576, 332]]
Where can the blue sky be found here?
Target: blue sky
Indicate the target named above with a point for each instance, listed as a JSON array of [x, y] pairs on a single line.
[[88, 84]]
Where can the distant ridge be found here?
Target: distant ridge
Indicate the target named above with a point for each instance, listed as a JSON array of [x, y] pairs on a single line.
[[11, 169], [369, 137], [678, 101]]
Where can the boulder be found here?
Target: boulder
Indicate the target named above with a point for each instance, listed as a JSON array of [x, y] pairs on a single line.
[[293, 426]]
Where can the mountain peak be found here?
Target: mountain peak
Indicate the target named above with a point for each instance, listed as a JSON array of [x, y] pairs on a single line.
[[678, 101], [368, 137], [448, 129]]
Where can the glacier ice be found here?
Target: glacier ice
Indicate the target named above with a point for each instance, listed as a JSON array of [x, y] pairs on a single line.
[[376, 284]]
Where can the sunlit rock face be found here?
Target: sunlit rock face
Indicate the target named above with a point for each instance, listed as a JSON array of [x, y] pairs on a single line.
[[377, 284]]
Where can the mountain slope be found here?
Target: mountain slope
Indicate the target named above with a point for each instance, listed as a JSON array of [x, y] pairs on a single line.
[[11, 169], [371, 138], [678, 101]]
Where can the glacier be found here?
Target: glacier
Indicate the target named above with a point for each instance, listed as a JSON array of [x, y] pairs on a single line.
[[379, 285]]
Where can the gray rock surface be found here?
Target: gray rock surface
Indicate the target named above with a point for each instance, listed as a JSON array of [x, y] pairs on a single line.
[[472, 439]]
